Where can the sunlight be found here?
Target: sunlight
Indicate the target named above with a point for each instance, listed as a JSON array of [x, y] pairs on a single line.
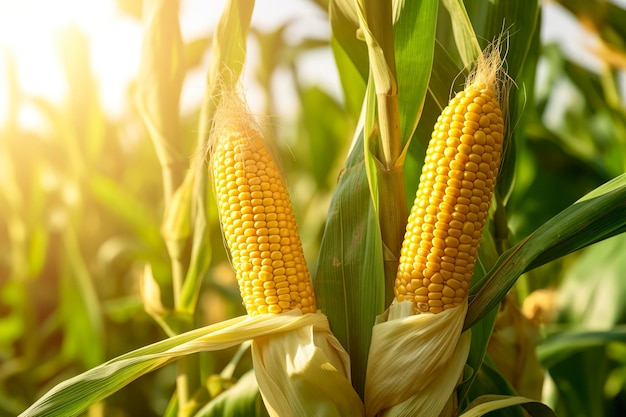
[[29, 30]]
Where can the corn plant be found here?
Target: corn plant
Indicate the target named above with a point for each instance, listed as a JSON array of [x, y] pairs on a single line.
[[421, 263]]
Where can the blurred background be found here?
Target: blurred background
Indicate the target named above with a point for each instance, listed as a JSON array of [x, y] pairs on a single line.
[[81, 194]]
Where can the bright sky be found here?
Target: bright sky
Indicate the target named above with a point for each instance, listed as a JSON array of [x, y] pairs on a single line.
[[28, 28]]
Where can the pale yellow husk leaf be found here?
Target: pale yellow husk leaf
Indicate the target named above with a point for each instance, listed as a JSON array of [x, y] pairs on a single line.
[[301, 368], [305, 372], [498, 404], [415, 362]]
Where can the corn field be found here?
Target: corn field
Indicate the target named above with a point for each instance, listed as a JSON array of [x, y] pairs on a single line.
[[151, 264]]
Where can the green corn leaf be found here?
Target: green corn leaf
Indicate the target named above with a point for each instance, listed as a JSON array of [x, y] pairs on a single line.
[[519, 23], [352, 84], [175, 227], [519, 18], [83, 319], [229, 43], [583, 396], [323, 129], [348, 279], [490, 381], [464, 36], [158, 91], [201, 250], [481, 332], [241, 400], [559, 346], [375, 21], [73, 396], [593, 288], [345, 25], [414, 43], [595, 217]]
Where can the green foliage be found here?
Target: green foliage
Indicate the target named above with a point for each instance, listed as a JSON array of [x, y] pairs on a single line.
[[241, 400], [347, 277]]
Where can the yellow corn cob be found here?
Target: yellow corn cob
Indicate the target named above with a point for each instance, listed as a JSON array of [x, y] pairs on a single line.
[[452, 202], [258, 221]]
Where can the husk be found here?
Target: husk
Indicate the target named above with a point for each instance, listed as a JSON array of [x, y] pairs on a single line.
[[305, 372], [295, 351], [301, 368], [415, 362]]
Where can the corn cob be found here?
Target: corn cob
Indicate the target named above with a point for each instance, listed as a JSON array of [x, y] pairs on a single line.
[[258, 221], [452, 202]]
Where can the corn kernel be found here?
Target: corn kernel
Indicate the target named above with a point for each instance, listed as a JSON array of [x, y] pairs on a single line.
[[452, 202], [258, 223]]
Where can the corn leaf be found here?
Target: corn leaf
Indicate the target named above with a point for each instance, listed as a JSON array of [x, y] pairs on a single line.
[[75, 395], [464, 36], [597, 216], [345, 24], [325, 128], [83, 320], [229, 43], [348, 278], [560, 346], [481, 332], [592, 291], [520, 22], [201, 249], [488, 403], [369, 133], [241, 400], [414, 42], [158, 91], [490, 381], [352, 84], [375, 22], [520, 18], [584, 396]]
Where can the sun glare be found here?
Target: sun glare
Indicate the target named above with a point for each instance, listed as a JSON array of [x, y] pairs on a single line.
[[29, 32]]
